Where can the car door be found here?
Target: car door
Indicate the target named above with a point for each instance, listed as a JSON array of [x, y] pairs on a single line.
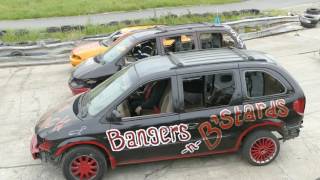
[[211, 104], [148, 137]]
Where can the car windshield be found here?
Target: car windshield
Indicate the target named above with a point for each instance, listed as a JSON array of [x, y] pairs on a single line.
[[108, 91], [119, 46]]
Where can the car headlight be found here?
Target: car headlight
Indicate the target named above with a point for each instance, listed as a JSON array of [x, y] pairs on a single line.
[[76, 57], [90, 81], [76, 83]]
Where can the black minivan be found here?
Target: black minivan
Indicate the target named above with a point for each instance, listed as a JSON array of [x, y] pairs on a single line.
[[193, 104], [151, 42]]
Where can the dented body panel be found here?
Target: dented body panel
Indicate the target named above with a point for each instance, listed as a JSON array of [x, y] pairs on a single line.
[[181, 133], [88, 75]]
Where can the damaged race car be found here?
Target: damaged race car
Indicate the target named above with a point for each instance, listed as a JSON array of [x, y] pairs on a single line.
[[85, 51], [151, 42], [193, 104]]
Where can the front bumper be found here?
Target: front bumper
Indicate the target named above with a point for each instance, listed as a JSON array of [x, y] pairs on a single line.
[[77, 87], [35, 152], [76, 91], [74, 61]]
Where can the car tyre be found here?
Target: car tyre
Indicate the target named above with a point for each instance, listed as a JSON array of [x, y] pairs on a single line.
[[84, 162], [17, 53], [313, 11], [260, 148], [308, 21]]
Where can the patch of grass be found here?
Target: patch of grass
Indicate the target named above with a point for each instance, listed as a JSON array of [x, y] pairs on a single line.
[[34, 35], [252, 29], [276, 12], [24, 9]]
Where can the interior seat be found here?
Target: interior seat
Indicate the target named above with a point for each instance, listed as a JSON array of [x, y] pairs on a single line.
[[166, 106], [166, 101], [123, 108]]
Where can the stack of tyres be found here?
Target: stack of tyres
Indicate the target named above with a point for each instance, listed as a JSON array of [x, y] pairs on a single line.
[[310, 18]]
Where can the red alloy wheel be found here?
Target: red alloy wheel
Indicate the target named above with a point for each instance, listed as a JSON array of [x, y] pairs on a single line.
[[84, 167], [263, 150]]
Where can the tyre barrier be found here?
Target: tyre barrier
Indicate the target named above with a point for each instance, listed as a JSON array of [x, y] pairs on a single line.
[[310, 18], [21, 32], [50, 51], [313, 11], [40, 51], [68, 28], [2, 32], [308, 21]]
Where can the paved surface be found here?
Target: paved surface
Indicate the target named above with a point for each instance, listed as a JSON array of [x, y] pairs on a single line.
[[27, 92], [148, 13]]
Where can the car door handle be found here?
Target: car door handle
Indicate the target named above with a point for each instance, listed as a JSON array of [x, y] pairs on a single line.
[[192, 125]]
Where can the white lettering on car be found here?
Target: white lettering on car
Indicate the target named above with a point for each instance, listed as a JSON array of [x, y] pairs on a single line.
[[152, 136]]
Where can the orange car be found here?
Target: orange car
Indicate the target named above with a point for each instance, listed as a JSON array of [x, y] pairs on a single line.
[[86, 51]]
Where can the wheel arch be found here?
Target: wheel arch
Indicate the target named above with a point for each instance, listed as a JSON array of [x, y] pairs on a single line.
[[67, 145], [271, 125]]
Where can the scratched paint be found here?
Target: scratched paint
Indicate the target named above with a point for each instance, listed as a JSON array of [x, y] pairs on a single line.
[[59, 123], [77, 132]]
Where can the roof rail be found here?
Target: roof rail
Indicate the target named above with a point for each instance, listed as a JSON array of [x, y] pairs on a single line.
[[245, 55], [212, 24], [174, 59], [185, 26], [208, 24], [240, 53], [161, 28], [209, 56]]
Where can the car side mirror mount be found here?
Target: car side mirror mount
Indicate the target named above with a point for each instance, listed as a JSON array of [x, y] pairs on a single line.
[[116, 116], [121, 62]]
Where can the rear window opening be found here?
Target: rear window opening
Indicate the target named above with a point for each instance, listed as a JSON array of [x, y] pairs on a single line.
[[216, 40], [262, 84], [178, 43]]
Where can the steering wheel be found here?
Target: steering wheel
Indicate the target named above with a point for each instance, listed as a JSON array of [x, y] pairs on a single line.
[[135, 51], [147, 51]]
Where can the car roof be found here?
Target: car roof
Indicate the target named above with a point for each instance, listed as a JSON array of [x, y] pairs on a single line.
[[206, 57], [153, 65], [165, 64], [163, 30], [215, 56], [134, 28], [144, 33], [191, 26]]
